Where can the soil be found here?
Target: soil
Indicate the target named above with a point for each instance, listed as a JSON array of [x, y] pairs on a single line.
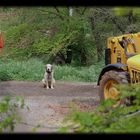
[[49, 107]]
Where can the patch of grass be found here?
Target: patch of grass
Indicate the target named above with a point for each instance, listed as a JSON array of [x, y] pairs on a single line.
[[85, 74], [33, 70]]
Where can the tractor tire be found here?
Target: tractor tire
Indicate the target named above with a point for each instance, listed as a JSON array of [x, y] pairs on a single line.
[[106, 88]]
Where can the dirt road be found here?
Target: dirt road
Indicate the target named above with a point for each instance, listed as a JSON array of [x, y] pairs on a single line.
[[48, 108]]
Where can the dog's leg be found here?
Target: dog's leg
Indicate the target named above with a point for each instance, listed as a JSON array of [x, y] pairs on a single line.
[[47, 85], [51, 85], [44, 83], [52, 81]]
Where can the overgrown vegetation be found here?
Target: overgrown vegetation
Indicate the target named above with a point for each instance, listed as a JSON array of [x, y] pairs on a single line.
[[51, 32], [107, 119], [33, 70], [8, 113]]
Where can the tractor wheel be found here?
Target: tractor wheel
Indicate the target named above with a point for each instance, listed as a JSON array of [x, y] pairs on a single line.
[[107, 90]]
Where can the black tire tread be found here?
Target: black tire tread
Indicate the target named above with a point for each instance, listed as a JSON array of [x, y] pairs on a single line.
[[121, 77]]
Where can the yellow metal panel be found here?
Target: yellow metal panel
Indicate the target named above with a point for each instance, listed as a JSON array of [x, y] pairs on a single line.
[[137, 42], [134, 62], [134, 68], [116, 50]]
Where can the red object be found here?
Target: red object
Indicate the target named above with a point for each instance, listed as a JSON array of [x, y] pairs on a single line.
[[1, 41]]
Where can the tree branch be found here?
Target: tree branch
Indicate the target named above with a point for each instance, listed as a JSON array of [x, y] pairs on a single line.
[[83, 11], [80, 12], [112, 17], [54, 13], [58, 12]]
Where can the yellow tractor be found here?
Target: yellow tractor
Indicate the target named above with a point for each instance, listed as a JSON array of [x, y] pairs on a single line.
[[122, 59]]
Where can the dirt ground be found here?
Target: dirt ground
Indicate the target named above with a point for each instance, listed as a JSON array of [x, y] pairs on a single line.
[[48, 107]]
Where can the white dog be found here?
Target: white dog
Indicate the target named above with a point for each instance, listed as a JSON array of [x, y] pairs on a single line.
[[48, 81]]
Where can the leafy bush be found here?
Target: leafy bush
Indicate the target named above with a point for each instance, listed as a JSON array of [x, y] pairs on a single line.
[[106, 118], [15, 34], [28, 37], [33, 70], [85, 74], [52, 46], [8, 113]]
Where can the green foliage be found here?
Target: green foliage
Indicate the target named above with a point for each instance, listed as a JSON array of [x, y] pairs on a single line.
[[27, 36], [33, 70], [109, 119], [134, 28], [123, 11], [69, 73], [45, 32], [8, 113], [52, 46], [20, 38], [17, 33]]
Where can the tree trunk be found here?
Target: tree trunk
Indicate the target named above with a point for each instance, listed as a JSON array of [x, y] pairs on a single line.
[[69, 55], [131, 17], [97, 39], [83, 57]]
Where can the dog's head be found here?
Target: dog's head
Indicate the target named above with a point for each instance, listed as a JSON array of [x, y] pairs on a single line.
[[48, 68]]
